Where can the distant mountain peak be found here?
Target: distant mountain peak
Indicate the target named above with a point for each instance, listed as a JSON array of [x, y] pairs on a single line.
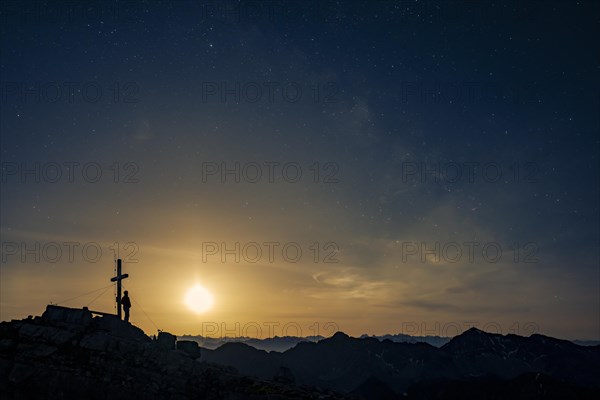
[[340, 336], [474, 334], [475, 331], [473, 339]]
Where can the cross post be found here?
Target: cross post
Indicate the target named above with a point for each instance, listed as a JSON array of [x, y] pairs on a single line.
[[118, 279]]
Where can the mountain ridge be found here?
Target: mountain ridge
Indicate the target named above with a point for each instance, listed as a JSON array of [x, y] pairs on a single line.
[[344, 363], [67, 353], [283, 343]]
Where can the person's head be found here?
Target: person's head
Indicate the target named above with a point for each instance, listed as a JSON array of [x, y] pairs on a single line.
[[126, 293]]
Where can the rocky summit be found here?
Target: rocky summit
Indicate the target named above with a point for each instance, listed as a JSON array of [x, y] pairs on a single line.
[[79, 354], [71, 354]]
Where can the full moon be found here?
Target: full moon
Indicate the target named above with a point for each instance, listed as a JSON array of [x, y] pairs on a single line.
[[199, 300]]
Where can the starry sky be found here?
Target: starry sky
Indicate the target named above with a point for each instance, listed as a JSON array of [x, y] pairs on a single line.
[[373, 167]]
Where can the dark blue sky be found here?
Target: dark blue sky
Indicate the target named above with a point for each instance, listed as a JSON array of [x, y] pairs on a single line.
[[383, 91]]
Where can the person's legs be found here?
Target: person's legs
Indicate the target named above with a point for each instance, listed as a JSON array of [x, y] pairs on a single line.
[[126, 314]]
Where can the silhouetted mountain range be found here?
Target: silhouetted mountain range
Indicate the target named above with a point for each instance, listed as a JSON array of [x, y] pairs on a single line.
[[283, 343], [276, 343], [360, 366], [67, 353]]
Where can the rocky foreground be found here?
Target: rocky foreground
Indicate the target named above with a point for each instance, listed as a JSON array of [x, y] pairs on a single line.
[[70, 354]]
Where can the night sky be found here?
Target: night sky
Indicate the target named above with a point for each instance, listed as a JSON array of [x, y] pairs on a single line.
[[380, 166]]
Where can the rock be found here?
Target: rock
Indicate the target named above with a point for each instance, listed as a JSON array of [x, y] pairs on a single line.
[[21, 372], [36, 350], [189, 347], [98, 341], [284, 375], [7, 345], [56, 335], [67, 354], [76, 316], [166, 341], [120, 328], [5, 367]]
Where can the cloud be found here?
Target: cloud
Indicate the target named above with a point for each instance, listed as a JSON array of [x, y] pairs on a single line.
[[345, 283]]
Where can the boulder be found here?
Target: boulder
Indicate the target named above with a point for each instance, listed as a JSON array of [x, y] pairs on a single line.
[[98, 341], [49, 333], [189, 347], [35, 350], [284, 375], [166, 340], [76, 316], [120, 328]]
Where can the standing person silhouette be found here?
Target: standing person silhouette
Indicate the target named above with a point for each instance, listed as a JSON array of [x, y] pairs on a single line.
[[126, 303]]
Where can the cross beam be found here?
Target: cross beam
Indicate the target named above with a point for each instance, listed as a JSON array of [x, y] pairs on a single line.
[[118, 279]]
